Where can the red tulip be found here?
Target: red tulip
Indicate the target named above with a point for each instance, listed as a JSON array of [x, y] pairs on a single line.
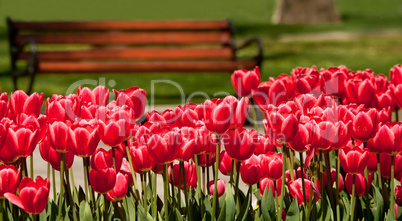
[[396, 91], [250, 170], [245, 81], [384, 115], [167, 117], [225, 163], [61, 108], [218, 116], [240, 143], [342, 135], [205, 141], [396, 74], [20, 102], [9, 179], [103, 159], [3, 105], [359, 91], [383, 99], [364, 125], [385, 166], [268, 183], [83, 139], [398, 195], [33, 123], [240, 111], [164, 148], [98, 96], [188, 144], [360, 183], [141, 159], [341, 185], [33, 195], [120, 188], [284, 127], [113, 133], [271, 166], [126, 170], [353, 162], [202, 159], [264, 145], [187, 117], [307, 80], [221, 187], [58, 136], [190, 175], [388, 140], [133, 97], [19, 142], [51, 155], [334, 80], [301, 141], [102, 180], [295, 189]]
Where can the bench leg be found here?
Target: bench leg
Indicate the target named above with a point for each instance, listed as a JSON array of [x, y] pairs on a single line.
[[31, 81], [14, 77]]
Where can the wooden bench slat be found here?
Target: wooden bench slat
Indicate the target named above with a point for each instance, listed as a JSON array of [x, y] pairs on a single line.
[[134, 53], [133, 67], [129, 38], [121, 25]]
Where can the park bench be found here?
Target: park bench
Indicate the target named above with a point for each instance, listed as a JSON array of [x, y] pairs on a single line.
[[62, 47]]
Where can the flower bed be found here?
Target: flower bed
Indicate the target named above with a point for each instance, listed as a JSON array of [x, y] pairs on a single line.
[[329, 150]]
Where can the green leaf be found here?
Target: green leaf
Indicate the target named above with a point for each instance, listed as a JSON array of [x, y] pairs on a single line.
[[207, 204], [85, 211], [131, 208], [230, 206], [378, 208], [293, 211], [243, 211], [268, 205], [222, 215], [178, 215], [347, 206]]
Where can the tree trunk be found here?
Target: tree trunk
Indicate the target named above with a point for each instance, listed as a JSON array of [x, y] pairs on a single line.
[[305, 12]]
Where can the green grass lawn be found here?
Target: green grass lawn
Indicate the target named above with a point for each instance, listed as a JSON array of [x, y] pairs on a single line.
[[251, 18]]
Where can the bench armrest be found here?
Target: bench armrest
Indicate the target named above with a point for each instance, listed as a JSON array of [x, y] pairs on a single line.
[[258, 43]]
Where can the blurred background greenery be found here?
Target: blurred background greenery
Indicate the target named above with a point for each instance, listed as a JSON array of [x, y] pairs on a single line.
[[369, 36]]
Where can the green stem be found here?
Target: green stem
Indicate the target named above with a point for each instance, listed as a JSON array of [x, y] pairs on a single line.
[[329, 180], [279, 214], [232, 172], [2, 211], [391, 198], [155, 199], [185, 190], [323, 200], [24, 167], [136, 194], [197, 169], [302, 177], [352, 212], [145, 194], [289, 164], [203, 181], [338, 168], [54, 185], [379, 172], [75, 197], [237, 198], [172, 186], [105, 208], [90, 190], [61, 196], [396, 114], [215, 196], [166, 190], [254, 115], [180, 184], [143, 188], [31, 166], [85, 180], [114, 158]]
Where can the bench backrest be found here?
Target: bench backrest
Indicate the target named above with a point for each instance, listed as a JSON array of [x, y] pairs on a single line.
[[123, 40]]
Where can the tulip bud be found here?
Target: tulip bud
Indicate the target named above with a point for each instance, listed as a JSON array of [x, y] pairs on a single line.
[[221, 187], [103, 180], [271, 166], [360, 183], [296, 190], [274, 185], [120, 188]]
